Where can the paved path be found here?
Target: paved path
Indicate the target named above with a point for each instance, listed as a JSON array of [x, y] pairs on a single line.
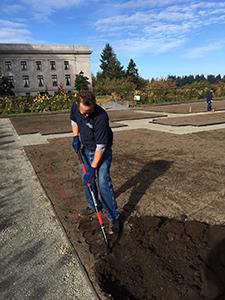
[[37, 138], [146, 124], [36, 259]]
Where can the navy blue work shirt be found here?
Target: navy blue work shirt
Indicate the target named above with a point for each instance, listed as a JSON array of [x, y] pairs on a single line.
[[209, 96], [94, 130]]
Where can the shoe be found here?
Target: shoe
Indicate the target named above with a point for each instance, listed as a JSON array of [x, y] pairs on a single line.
[[87, 211], [114, 226]]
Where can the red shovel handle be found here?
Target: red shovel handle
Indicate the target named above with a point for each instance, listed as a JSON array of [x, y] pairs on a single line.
[[97, 212], [82, 163], [84, 170]]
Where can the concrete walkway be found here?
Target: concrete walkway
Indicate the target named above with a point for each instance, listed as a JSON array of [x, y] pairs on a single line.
[[36, 259], [146, 124], [37, 138]]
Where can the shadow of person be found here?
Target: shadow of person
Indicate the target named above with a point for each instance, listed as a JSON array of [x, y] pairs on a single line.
[[139, 184], [215, 272]]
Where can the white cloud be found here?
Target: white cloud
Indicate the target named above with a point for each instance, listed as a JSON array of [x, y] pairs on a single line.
[[152, 45], [134, 4], [15, 32], [168, 21], [11, 24], [202, 51], [42, 9], [12, 8]]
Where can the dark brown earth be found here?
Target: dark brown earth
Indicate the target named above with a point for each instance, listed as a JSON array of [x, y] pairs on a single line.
[[116, 115], [199, 120], [184, 108], [164, 185], [59, 123]]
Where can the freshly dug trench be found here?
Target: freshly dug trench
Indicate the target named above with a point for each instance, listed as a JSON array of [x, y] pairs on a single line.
[[160, 258]]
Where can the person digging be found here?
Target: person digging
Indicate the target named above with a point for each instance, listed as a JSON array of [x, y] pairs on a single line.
[[93, 137]]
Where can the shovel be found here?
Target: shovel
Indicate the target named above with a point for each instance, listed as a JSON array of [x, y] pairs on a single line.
[[94, 201]]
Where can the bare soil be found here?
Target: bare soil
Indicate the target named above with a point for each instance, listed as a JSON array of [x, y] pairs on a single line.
[[210, 118], [60, 123], [184, 108], [171, 192]]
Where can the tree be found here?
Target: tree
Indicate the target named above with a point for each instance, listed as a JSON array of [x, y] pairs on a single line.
[[110, 65], [202, 77], [81, 82], [133, 76], [178, 81], [5, 86], [197, 77], [218, 78], [211, 78], [172, 78], [132, 70], [93, 80], [190, 79]]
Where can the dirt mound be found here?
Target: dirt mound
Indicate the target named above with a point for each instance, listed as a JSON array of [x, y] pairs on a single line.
[[160, 258]]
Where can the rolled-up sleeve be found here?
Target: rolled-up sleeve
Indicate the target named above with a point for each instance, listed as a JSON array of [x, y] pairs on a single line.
[[101, 132]]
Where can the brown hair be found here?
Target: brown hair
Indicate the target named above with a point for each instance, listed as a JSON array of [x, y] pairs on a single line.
[[86, 97]]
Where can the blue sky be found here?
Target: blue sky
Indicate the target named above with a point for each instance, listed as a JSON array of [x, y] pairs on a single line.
[[163, 37]]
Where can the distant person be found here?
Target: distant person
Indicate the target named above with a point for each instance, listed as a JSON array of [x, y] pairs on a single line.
[[94, 137], [209, 99]]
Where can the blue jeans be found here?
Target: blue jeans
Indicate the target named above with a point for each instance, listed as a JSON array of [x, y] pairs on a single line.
[[209, 105], [105, 186]]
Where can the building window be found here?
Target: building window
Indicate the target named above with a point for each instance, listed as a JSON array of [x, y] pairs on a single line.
[[38, 64], [24, 65], [52, 64], [54, 80], [26, 83], [66, 65], [8, 65], [40, 80], [11, 81], [68, 81]]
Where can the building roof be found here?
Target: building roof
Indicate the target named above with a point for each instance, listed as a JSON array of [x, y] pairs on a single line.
[[44, 48]]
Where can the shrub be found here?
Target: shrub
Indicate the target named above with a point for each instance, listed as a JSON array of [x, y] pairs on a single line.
[[39, 103], [122, 89]]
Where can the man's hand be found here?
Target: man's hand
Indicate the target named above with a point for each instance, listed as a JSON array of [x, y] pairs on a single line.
[[76, 143], [90, 175]]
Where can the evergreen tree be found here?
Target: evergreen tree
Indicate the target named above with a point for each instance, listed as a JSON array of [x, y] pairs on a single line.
[[133, 76], [81, 82], [178, 81], [132, 70], [5, 86], [202, 77], [218, 78], [172, 78], [211, 78], [110, 65], [198, 78], [190, 79]]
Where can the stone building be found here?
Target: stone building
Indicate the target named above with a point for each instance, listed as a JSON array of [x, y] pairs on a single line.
[[40, 68]]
